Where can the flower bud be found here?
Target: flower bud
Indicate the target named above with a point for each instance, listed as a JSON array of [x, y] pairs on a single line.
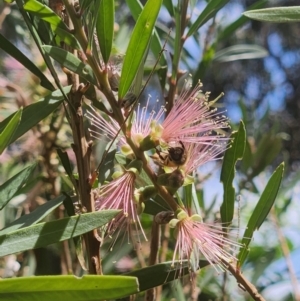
[[135, 166], [126, 150], [148, 143], [117, 174], [147, 192]]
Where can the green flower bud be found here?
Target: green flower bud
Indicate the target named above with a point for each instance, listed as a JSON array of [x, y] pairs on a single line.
[[148, 143], [147, 192], [173, 222], [182, 215], [135, 166], [196, 218], [126, 150], [117, 174]]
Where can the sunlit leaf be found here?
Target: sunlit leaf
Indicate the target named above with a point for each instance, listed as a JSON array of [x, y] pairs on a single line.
[[261, 211], [275, 14], [8, 131], [11, 186], [136, 8], [67, 288], [208, 12], [232, 155], [105, 27], [138, 44], [71, 62], [58, 26], [44, 234]]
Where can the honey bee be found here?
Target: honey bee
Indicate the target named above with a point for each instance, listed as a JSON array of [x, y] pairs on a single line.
[[175, 157]]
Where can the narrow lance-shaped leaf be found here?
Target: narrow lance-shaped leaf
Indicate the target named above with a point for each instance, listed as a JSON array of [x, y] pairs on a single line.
[[234, 26], [68, 288], [240, 52], [105, 27], [136, 8], [58, 26], [261, 211], [138, 44], [275, 14], [7, 133], [71, 62], [162, 273], [232, 155], [44, 234], [33, 217], [11, 186], [36, 112], [209, 11], [13, 51]]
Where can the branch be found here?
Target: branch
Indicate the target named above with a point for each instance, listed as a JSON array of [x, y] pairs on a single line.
[[243, 282]]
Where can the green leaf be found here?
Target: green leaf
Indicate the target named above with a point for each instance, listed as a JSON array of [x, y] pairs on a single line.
[[35, 216], [71, 62], [138, 44], [36, 112], [44, 234], [7, 133], [13, 51], [169, 6], [44, 12], [261, 211], [240, 52], [136, 8], [64, 158], [276, 14], [162, 273], [209, 11], [9, 189], [105, 27], [58, 26], [233, 26], [232, 155], [67, 288]]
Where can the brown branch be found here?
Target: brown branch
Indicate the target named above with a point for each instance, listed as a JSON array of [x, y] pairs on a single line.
[[243, 283]]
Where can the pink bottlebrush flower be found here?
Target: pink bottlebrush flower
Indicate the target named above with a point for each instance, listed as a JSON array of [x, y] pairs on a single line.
[[191, 120], [119, 194], [195, 238], [199, 154], [141, 125], [107, 128], [193, 155]]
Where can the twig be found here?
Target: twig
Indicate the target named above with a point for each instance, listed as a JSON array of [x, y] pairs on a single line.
[[243, 282]]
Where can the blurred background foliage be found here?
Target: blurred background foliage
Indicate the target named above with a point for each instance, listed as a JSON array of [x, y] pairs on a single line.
[[256, 64]]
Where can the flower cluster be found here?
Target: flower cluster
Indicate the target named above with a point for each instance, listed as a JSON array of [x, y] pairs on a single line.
[[188, 137]]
